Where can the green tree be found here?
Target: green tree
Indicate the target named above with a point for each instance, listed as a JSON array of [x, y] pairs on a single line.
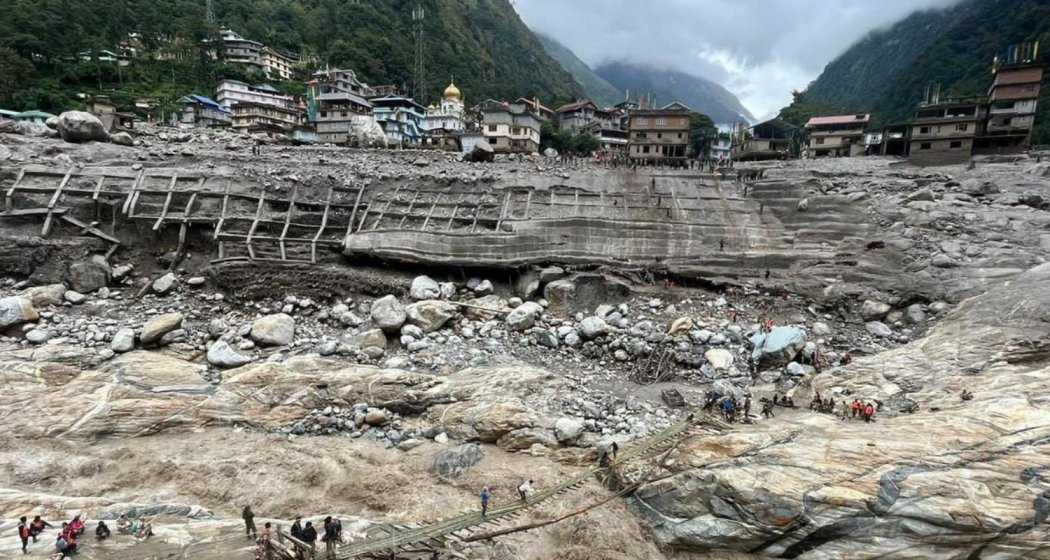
[[15, 71], [702, 133]]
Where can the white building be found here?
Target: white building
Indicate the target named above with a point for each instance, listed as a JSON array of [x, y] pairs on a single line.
[[511, 127], [450, 115], [231, 92]]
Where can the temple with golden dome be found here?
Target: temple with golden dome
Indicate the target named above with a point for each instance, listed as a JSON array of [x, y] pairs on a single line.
[[449, 115]]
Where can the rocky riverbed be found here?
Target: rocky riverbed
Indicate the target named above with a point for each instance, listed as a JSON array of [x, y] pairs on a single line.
[[135, 386]]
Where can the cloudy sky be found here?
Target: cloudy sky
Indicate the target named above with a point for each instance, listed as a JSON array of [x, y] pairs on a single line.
[[758, 49]]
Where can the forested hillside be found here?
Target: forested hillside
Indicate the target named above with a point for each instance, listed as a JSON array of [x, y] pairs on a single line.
[[665, 86], [481, 43], [594, 86], [886, 72]]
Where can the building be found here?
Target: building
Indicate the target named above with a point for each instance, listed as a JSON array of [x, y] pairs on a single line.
[[894, 140], [278, 65], [447, 121], [337, 104], [772, 139], [232, 92], [576, 117], [1013, 98], [659, 135], [837, 135], [241, 51], [264, 117], [204, 112], [511, 127], [402, 119], [943, 132], [106, 111], [538, 110], [722, 147]]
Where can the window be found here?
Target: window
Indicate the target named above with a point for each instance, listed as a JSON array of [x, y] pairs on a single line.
[[820, 140], [661, 122], [344, 113], [1007, 121], [955, 144], [962, 127], [643, 121], [679, 135], [924, 146], [659, 135], [645, 149], [640, 135], [924, 130], [324, 113], [492, 128]]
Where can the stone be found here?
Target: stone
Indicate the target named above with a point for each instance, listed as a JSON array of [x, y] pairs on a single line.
[[941, 260], [157, 327], [412, 331], [681, 325], [524, 438], [673, 398], [484, 288], [122, 139], [779, 346], [15, 310], [424, 287], [545, 338], [878, 329], [80, 126], [803, 205], [196, 281], [89, 275], [592, 327], [560, 293], [377, 417], [43, 296], [914, 314], [430, 315], [222, 355], [872, 310], [388, 313], [719, 358], [821, 329], [568, 430], [38, 336], [551, 273], [74, 297], [456, 461], [524, 316], [217, 327], [123, 341], [527, 284], [273, 330], [372, 338]]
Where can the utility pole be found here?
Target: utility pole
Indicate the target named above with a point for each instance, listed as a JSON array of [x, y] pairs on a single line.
[[418, 15], [210, 7]]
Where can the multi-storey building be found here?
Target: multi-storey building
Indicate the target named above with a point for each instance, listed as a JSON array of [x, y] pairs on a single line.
[[772, 139], [576, 116], [943, 131], [241, 51], [264, 117], [1013, 98], [837, 135], [511, 127], [659, 135], [232, 92], [402, 119], [447, 121], [278, 65], [337, 104], [200, 111]]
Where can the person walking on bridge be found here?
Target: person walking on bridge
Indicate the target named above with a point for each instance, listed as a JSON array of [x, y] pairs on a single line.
[[524, 490], [249, 522], [486, 495]]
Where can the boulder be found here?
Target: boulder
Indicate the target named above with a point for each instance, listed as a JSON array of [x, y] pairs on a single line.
[[76, 298], [484, 288], [372, 338], [872, 310], [455, 462], [377, 416], [388, 313], [424, 287], [430, 315], [915, 314], [778, 346], [79, 126], [560, 293], [43, 296], [222, 355], [90, 275], [719, 358], [680, 325], [38, 336], [527, 284], [273, 330], [524, 316], [593, 327], [524, 438], [164, 284], [568, 430], [878, 329], [123, 341], [122, 139], [157, 327], [15, 310], [482, 152]]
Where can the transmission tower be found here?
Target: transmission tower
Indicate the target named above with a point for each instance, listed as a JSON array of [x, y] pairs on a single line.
[[210, 7], [418, 15]]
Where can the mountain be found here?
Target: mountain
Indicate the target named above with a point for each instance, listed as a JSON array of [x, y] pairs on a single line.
[[594, 86], [665, 86], [886, 72], [482, 44]]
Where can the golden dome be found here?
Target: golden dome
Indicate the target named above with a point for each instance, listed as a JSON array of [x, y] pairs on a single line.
[[452, 92]]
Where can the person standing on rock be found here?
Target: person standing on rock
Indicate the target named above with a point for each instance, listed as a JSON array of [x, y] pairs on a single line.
[[23, 534], [486, 495], [249, 522]]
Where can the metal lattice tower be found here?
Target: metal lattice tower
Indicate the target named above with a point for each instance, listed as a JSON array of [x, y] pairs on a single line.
[[418, 15], [210, 7]]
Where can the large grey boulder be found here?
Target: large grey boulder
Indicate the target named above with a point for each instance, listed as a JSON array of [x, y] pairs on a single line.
[[878, 329], [89, 275], [568, 430], [778, 346], [430, 315], [15, 310], [157, 327], [164, 284], [524, 316], [123, 341], [454, 462], [388, 313], [78, 126], [273, 330], [372, 338], [872, 310], [43, 296], [221, 354], [592, 327], [122, 139], [424, 287]]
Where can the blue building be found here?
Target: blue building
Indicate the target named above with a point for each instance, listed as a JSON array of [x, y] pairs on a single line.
[[402, 119]]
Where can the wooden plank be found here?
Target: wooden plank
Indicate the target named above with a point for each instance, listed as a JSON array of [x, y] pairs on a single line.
[[576, 209], [98, 188], [503, 212], [409, 211], [222, 213], [131, 194], [431, 212], [21, 212], [528, 203], [8, 203], [288, 217], [324, 223], [353, 213], [54, 201], [88, 228], [477, 213], [455, 210], [184, 227], [386, 207], [255, 224], [167, 203]]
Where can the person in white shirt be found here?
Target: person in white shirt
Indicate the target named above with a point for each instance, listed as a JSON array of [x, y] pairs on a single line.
[[524, 490]]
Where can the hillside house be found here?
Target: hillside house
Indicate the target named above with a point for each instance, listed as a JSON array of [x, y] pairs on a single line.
[[837, 135]]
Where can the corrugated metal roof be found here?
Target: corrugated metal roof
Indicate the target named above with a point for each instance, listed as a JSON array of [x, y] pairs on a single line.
[[839, 119], [33, 114], [207, 101]]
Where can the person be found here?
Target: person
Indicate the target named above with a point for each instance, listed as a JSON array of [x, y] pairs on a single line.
[[309, 536], [297, 527], [729, 409], [249, 521], [615, 449], [869, 413], [485, 496], [102, 531], [76, 526], [145, 530], [331, 536], [722, 245], [767, 409], [524, 489], [262, 550], [62, 545], [124, 524], [37, 527], [855, 407], [23, 534], [747, 407]]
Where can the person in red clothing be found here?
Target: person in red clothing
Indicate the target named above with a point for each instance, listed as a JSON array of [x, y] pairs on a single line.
[[23, 533], [855, 407], [76, 526], [869, 412]]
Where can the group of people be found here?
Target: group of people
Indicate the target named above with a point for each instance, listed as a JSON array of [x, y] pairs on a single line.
[[331, 535], [525, 489], [67, 542]]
